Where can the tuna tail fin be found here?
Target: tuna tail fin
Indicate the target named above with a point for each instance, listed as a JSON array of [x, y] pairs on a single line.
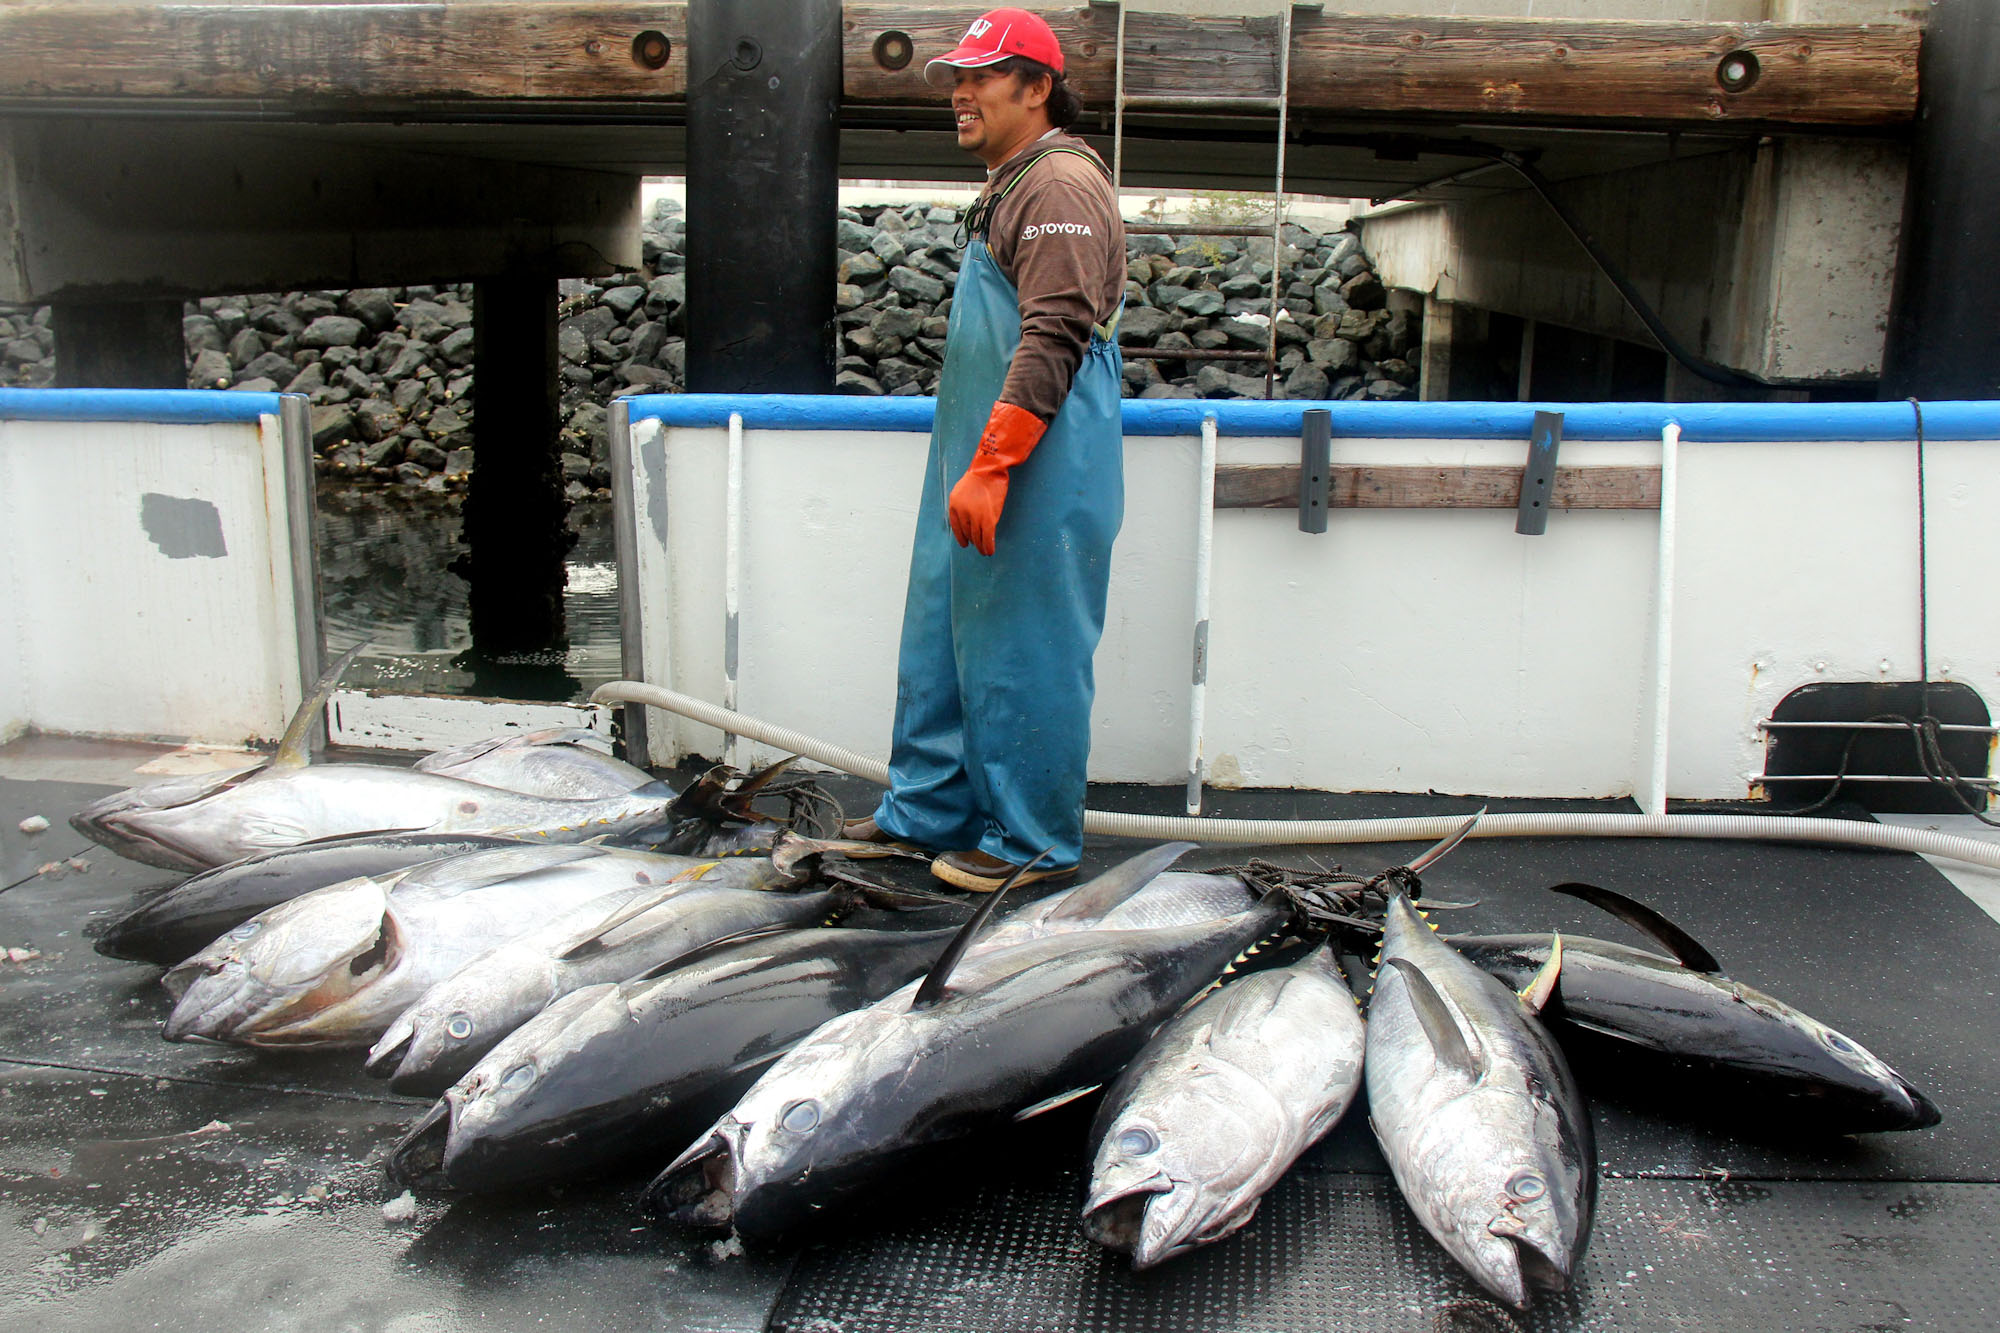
[[1683, 946], [736, 801], [1541, 988], [1448, 1040], [295, 749], [1120, 882], [932, 989]]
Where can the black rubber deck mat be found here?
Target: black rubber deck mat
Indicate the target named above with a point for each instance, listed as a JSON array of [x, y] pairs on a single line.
[[1342, 1252]]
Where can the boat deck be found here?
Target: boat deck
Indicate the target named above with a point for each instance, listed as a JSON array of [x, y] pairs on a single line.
[[148, 1185]]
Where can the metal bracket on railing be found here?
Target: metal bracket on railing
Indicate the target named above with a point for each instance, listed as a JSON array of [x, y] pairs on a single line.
[[1538, 478], [1315, 468]]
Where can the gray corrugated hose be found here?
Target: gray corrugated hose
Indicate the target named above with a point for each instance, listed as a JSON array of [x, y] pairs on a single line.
[[1169, 828]]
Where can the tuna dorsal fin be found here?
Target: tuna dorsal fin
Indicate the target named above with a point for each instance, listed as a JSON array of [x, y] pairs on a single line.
[[1448, 1040], [295, 749], [1541, 988], [932, 990], [1683, 946], [1120, 882]]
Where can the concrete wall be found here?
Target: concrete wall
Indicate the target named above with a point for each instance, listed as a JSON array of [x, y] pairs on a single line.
[[1777, 259], [1402, 650]]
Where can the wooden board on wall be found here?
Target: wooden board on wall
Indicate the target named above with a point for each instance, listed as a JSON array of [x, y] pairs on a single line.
[[1276, 486]]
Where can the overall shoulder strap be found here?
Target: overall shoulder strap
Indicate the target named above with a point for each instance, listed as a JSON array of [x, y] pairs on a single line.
[[980, 216]]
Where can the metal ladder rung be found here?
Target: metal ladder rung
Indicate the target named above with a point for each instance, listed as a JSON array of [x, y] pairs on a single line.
[[1175, 102], [1192, 354], [1197, 229]]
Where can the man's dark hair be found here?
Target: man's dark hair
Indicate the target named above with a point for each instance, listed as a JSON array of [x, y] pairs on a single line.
[[1064, 106]]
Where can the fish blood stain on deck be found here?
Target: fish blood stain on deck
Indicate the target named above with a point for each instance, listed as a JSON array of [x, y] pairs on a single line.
[[182, 528]]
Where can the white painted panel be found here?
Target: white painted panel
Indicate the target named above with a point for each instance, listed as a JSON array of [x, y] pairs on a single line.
[[1799, 564], [433, 722], [168, 617]]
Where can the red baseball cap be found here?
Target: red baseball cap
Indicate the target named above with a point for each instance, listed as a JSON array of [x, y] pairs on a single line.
[[994, 36]]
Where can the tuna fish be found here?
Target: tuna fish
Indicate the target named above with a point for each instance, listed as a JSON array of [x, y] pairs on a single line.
[[444, 1033], [614, 1071], [194, 913], [988, 1035], [562, 762], [336, 966], [1477, 1113], [1218, 1106], [1685, 1007]]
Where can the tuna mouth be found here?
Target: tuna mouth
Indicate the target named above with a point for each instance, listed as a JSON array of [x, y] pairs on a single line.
[[418, 1158], [1923, 1111], [699, 1188], [1117, 1220], [385, 1060], [147, 848]]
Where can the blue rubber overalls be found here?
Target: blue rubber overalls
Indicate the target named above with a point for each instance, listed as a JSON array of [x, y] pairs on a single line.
[[994, 682]]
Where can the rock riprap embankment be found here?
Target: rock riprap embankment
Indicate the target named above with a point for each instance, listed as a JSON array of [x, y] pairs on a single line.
[[389, 371]]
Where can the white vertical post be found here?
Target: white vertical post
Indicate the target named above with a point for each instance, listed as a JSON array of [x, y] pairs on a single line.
[[1204, 544], [1653, 794], [732, 578]]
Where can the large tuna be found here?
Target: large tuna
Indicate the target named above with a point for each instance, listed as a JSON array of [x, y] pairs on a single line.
[[1685, 1007], [1477, 1113], [988, 1036], [1219, 1105], [620, 1070], [335, 967]]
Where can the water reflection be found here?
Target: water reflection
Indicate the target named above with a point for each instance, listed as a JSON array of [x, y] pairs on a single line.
[[383, 556]]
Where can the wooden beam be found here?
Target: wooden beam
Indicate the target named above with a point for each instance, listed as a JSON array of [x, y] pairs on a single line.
[[1543, 70], [1276, 486], [342, 53], [1557, 71]]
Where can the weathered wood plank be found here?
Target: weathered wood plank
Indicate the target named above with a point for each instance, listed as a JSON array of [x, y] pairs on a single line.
[[1276, 486], [340, 53], [1542, 69]]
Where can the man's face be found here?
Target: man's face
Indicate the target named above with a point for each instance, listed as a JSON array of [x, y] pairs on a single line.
[[997, 115]]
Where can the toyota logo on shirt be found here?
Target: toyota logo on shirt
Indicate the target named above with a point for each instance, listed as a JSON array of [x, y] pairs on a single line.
[[1032, 230]]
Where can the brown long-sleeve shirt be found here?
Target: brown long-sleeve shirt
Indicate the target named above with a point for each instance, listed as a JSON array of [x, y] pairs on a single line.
[[1058, 237]]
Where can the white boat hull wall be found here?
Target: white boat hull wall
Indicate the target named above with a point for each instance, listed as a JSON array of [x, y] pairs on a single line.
[[1403, 650], [146, 580]]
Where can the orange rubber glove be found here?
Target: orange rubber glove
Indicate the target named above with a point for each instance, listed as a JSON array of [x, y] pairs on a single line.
[[1011, 435]]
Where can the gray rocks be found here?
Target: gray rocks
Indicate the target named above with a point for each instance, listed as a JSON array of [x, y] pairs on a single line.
[[332, 331]]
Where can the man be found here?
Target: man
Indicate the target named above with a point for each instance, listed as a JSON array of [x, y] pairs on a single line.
[[1024, 489]]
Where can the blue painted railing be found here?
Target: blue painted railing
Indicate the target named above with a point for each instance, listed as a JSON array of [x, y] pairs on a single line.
[[1451, 421], [182, 406]]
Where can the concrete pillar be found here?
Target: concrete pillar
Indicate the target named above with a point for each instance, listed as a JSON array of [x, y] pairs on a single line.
[[1434, 371], [119, 345], [763, 127], [1944, 341], [515, 531]]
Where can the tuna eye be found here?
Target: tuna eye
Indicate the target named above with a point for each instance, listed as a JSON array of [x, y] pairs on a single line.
[[459, 1027], [800, 1117], [1838, 1042], [1527, 1187], [1138, 1142], [246, 930], [520, 1076]]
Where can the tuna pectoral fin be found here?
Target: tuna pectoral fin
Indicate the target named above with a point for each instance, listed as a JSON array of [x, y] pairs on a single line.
[[1115, 885], [1541, 988], [1648, 922], [932, 990], [1448, 1041], [1051, 1103], [590, 937]]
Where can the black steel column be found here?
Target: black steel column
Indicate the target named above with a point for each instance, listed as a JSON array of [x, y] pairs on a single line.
[[1944, 326], [763, 151], [514, 511], [119, 345]]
